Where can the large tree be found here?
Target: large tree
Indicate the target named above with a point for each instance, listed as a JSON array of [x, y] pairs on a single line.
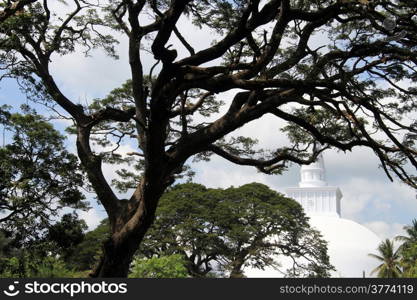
[[47, 254], [38, 176], [228, 230], [351, 90]]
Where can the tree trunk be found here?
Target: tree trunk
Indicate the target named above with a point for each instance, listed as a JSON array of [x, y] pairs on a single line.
[[118, 252], [117, 256], [237, 271], [129, 219], [237, 274], [128, 231], [195, 271], [116, 259]]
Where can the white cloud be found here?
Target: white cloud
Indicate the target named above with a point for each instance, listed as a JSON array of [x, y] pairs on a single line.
[[92, 217], [109, 170], [198, 38], [220, 173], [385, 230], [379, 195], [84, 78]]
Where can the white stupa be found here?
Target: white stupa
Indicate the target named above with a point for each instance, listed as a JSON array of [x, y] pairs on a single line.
[[348, 242], [313, 193]]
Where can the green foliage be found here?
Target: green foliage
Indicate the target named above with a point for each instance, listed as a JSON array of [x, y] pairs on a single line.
[[409, 261], [411, 234], [38, 176], [171, 266], [408, 250], [3, 243], [110, 135], [46, 257], [87, 253], [66, 234], [233, 228], [31, 266], [327, 123], [390, 260], [64, 251], [401, 262]]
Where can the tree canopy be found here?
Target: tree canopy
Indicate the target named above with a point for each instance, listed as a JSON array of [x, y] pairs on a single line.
[[227, 230], [66, 235], [88, 252], [38, 176], [159, 267], [47, 255], [354, 88]]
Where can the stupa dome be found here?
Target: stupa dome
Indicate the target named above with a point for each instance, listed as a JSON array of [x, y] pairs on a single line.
[[349, 243]]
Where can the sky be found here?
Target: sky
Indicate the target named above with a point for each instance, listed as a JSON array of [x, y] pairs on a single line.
[[368, 196]]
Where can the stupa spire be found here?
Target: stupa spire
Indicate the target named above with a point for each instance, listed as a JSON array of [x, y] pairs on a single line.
[[314, 174], [313, 193]]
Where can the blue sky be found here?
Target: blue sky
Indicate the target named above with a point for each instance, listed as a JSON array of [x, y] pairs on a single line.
[[369, 197]]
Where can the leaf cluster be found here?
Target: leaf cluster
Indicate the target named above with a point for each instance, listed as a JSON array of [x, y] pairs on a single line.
[[215, 229], [38, 176]]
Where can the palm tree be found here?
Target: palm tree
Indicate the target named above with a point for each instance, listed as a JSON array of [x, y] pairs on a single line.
[[412, 234], [408, 262], [390, 260]]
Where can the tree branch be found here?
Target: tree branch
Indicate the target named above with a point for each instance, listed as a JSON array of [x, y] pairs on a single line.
[[13, 8], [266, 166]]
